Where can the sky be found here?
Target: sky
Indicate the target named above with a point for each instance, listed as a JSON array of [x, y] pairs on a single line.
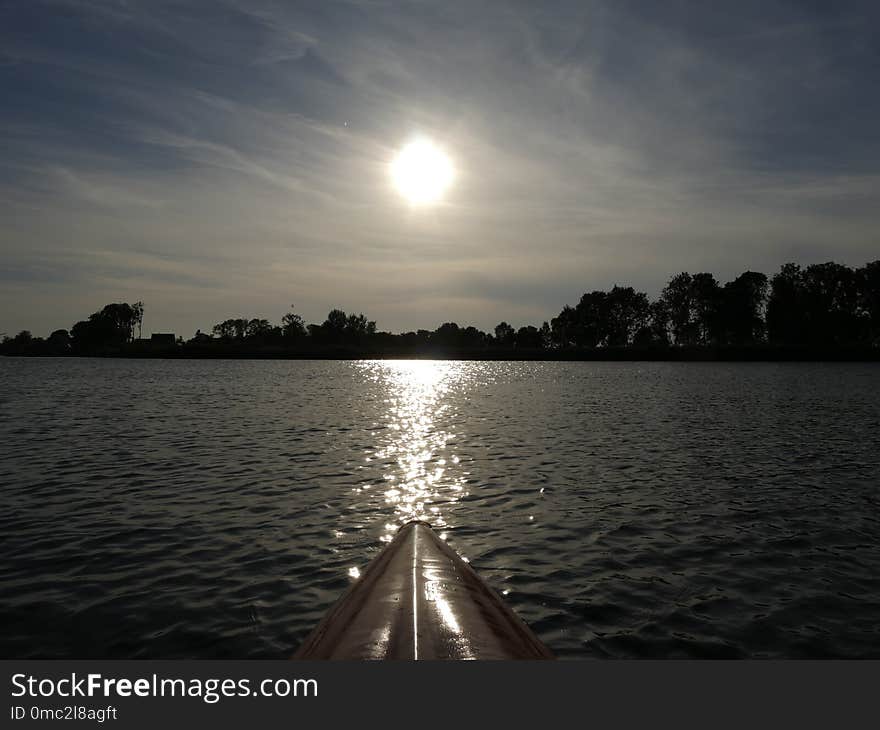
[[231, 158]]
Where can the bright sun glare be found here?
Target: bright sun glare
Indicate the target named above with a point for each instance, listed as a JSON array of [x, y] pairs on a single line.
[[422, 172]]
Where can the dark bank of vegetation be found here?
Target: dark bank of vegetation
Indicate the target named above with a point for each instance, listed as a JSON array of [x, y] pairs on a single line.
[[823, 311]]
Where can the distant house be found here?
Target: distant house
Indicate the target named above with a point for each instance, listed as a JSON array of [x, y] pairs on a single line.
[[162, 339]]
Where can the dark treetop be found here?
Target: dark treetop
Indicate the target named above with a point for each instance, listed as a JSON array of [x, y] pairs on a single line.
[[823, 310]]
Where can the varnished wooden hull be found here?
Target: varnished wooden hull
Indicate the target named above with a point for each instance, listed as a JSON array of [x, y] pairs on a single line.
[[418, 599]]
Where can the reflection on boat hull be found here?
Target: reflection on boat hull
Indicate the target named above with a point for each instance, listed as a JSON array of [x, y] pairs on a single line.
[[418, 599]]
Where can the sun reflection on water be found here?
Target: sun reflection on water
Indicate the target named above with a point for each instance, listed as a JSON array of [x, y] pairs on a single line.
[[419, 468]]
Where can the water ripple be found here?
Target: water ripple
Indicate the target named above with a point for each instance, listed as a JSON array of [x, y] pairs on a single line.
[[217, 508]]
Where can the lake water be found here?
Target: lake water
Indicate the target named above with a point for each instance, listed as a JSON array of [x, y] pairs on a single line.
[[208, 508]]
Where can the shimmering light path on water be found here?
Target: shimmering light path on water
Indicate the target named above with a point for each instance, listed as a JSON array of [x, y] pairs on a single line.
[[413, 447], [217, 508]]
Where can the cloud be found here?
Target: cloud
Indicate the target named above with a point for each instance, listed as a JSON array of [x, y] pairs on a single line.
[[232, 157]]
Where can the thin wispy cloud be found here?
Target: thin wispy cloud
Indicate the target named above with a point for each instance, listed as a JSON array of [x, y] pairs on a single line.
[[232, 157]]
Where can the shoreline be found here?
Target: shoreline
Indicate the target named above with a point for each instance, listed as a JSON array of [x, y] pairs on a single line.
[[672, 354]]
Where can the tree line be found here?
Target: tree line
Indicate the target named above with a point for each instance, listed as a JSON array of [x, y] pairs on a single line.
[[108, 330], [826, 305]]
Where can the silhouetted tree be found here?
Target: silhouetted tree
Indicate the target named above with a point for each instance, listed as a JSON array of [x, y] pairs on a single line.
[[741, 316], [109, 329], [505, 335], [707, 308], [59, 342], [470, 338], [239, 327], [138, 317], [358, 326], [446, 335], [626, 312], [258, 329], [341, 328], [122, 317], [528, 338], [677, 298], [292, 326], [602, 319], [785, 323], [335, 323], [833, 294], [818, 305], [693, 304], [24, 343], [868, 282], [591, 319], [563, 328], [225, 330], [546, 335], [656, 333]]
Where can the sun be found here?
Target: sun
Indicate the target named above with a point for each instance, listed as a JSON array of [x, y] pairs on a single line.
[[422, 172]]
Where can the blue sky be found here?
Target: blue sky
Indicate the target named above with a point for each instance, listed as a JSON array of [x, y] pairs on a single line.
[[230, 158]]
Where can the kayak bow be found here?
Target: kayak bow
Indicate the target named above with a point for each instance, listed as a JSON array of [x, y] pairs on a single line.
[[418, 599]]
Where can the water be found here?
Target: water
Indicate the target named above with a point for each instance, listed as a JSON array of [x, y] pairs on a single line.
[[216, 508]]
